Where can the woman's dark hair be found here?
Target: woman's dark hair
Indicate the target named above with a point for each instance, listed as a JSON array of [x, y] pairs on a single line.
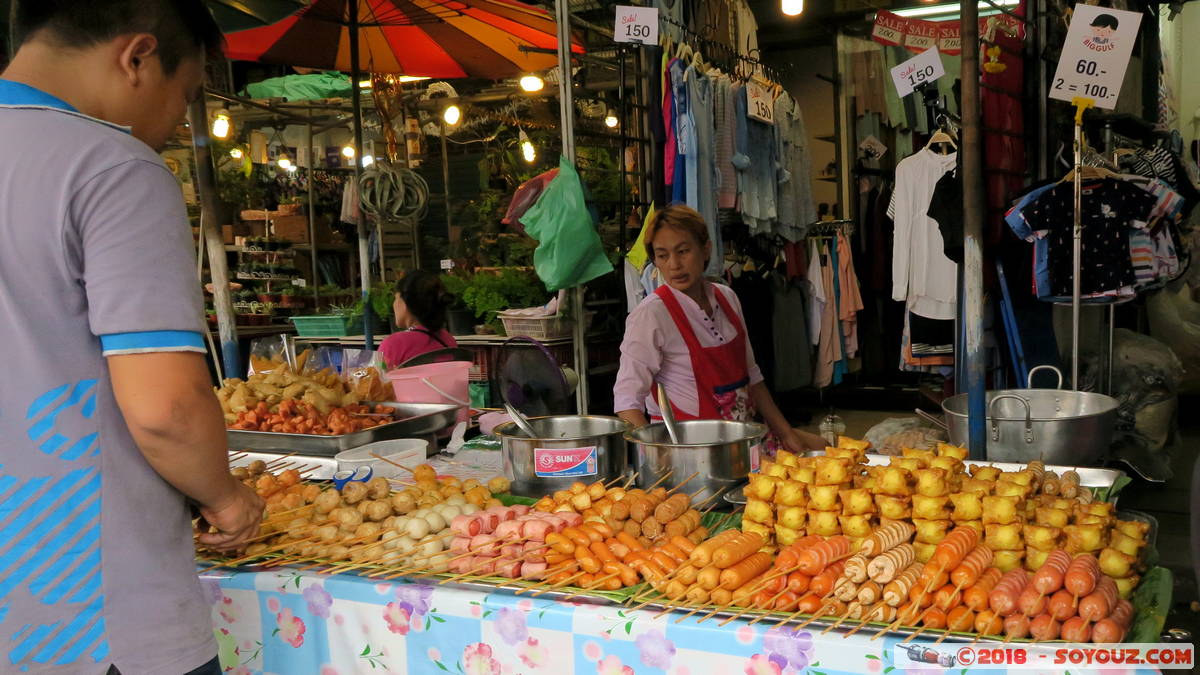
[[426, 298], [182, 27], [679, 217]]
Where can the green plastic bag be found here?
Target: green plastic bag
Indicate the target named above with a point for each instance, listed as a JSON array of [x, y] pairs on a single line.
[[302, 87], [569, 251]]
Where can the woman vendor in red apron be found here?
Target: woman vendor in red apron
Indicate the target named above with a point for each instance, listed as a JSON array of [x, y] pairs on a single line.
[[690, 336]]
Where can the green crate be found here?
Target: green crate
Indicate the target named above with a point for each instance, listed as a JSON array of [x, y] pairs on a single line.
[[329, 325]]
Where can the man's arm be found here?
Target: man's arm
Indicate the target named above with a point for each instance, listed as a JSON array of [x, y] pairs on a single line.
[[169, 406]]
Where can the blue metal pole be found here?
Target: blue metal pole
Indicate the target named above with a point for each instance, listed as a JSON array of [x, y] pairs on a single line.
[[973, 197]]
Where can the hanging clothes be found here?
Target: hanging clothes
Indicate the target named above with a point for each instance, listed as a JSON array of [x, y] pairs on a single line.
[[795, 204], [793, 360], [922, 276], [724, 112], [756, 162], [849, 299], [702, 174], [685, 138]]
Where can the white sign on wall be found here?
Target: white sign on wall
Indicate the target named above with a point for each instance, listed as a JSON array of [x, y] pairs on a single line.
[[636, 24], [760, 105], [924, 67], [1095, 55]]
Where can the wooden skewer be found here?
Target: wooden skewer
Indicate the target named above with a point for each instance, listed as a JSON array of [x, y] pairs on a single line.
[[944, 634], [816, 615], [385, 459], [929, 586], [721, 523], [661, 479], [659, 597], [609, 483], [837, 623], [275, 516], [890, 627], [560, 584], [585, 589], [709, 499], [685, 482], [912, 637], [697, 609], [234, 456], [865, 620], [630, 480], [564, 566], [279, 547], [273, 463]]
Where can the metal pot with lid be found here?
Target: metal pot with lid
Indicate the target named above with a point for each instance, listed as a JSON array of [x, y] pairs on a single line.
[[564, 449], [1073, 428]]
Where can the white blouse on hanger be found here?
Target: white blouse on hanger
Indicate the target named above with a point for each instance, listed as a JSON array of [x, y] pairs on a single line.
[[922, 275]]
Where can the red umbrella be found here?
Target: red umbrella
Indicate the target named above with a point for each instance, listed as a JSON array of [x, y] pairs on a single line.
[[434, 38]]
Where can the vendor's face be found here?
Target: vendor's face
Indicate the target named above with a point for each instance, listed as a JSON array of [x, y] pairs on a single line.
[[680, 258]]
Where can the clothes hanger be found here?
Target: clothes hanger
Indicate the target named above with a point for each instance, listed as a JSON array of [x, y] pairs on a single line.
[[941, 136], [1090, 173]]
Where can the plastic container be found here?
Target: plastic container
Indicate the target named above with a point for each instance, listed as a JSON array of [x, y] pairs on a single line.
[[537, 327], [407, 451], [434, 383], [329, 325]]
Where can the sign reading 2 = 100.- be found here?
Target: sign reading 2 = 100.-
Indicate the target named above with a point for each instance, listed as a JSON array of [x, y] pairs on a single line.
[[1095, 55]]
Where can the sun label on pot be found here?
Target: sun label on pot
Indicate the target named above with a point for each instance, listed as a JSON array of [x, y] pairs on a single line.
[[565, 462]]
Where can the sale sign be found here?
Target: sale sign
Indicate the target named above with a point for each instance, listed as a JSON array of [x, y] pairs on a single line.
[[924, 67], [636, 24]]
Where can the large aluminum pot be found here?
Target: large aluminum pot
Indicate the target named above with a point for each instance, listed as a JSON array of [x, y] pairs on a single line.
[[568, 448], [1058, 427], [720, 454]]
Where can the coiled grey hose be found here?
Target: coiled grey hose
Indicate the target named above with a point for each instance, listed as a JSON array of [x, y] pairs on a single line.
[[391, 193]]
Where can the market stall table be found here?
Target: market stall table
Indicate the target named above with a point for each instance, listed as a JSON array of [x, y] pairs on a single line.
[[286, 621]]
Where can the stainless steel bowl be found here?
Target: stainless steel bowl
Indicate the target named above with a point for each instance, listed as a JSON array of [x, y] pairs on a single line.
[[720, 454], [568, 448]]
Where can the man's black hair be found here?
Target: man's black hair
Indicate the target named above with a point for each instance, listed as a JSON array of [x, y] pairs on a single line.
[[182, 27], [1105, 21]]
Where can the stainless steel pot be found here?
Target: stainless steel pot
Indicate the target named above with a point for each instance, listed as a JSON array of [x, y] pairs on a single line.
[[719, 452], [567, 448], [1058, 427]]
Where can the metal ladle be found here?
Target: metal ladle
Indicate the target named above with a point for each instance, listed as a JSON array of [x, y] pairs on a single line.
[[522, 422], [668, 414]]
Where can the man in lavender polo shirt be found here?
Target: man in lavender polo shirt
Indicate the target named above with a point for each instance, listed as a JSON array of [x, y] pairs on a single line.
[[108, 423]]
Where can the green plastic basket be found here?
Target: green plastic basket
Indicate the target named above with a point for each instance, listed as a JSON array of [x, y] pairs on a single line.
[[328, 325]]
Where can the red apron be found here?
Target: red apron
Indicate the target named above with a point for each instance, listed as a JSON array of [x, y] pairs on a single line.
[[722, 379]]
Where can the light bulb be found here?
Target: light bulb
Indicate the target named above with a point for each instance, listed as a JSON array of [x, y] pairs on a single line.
[[791, 7], [611, 120], [236, 153], [291, 168], [348, 151], [365, 84], [452, 114], [532, 83], [368, 160], [221, 125], [527, 149], [284, 163]]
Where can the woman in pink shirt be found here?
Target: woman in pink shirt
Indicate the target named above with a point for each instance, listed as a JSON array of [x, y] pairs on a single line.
[[420, 309], [690, 335]]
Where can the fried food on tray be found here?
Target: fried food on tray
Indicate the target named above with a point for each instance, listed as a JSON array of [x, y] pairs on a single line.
[[295, 417]]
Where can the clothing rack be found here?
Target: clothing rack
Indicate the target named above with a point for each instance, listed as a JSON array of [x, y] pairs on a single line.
[[825, 228], [723, 56]]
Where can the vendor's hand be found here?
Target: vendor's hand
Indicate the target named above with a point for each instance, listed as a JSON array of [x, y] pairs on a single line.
[[236, 519], [800, 442]]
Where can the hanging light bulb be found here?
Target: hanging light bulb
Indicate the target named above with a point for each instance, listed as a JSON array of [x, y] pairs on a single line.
[[367, 160], [610, 120], [222, 124], [284, 163], [532, 83], [348, 151], [291, 168], [236, 153], [452, 114], [791, 7], [527, 149]]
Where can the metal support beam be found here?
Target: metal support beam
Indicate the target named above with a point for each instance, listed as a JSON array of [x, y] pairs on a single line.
[[364, 254], [566, 101], [973, 214], [218, 265]]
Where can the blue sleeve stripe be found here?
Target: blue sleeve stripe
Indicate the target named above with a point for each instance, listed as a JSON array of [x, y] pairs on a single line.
[[152, 341]]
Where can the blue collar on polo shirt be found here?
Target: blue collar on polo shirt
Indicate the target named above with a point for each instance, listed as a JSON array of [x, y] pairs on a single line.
[[20, 94]]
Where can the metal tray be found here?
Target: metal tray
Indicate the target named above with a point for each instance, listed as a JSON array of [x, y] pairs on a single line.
[[1089, 477], [422, 419], [323, 467]]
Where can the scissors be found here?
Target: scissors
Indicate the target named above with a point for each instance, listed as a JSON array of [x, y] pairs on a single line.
[[360, 475]]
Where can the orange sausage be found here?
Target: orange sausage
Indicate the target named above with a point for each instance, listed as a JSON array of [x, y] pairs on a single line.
[[969, 570], [665, 561], [933, 618], [594, 535], [629, 540], [960, 619], [560, 543], [587, 562], [683, 544], [988, 622], [786, 602], [735, 551], [1082, 575], [976, 597], [822, 584], [577, 536], [701, 555], [809, 603], [676, 554], [947, 598], [686, 574], [798, 583], [603, 552], [738, 574], [818, 556], [1049, 577]]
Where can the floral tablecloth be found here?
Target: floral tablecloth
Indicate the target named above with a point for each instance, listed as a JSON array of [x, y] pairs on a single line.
[[296, 623]]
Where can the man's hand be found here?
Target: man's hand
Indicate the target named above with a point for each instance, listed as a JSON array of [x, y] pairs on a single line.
[[237, 520]]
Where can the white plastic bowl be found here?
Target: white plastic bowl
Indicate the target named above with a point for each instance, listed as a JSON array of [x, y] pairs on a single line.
[[407, 451]]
